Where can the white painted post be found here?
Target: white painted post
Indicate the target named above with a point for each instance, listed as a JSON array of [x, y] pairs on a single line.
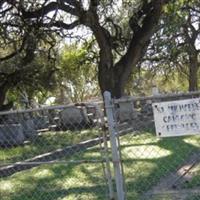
[[114, 146]]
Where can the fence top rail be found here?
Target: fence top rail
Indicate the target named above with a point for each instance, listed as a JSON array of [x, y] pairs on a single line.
[[121, 100], [154, 97], [47, 108]]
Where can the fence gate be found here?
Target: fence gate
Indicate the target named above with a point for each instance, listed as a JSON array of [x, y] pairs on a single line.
[[149, 166], [54, 153]]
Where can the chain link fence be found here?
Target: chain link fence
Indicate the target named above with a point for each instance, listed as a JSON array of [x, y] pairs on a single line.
[[57, 152], [146, 166], [72, 152]]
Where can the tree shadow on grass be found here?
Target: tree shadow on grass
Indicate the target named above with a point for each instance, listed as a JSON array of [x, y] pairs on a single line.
[[81, 193], [44, 143], [147, 172], [86, 181], [56, 182]]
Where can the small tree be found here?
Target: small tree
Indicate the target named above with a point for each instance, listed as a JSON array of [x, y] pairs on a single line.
[[76, 76]]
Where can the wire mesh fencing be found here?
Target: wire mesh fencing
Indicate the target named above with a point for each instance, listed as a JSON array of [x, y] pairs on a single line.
[[57, 152], [66, 152], [153, 167]]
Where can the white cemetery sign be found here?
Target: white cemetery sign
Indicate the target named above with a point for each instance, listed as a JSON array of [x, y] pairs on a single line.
[[177, 118]]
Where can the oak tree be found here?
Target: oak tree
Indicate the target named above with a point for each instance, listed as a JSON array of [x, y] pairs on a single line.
[[121, 29]]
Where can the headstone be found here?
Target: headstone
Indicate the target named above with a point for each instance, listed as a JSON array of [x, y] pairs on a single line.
[[73, 117], [126, 111], [40, 122], [11, 135], [29, 128]]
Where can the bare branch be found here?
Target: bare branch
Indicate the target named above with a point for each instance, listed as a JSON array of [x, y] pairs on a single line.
[[61, 24], [48, 8], [72, 3], [2, 2]]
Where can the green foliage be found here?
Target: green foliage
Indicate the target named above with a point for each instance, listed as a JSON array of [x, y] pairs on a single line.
[[141, 83], [49, 141], [173, 50], [33, 79], [120, 22], [146, 159], [76, 74]]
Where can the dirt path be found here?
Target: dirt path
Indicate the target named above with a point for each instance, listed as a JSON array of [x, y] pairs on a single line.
[[180, 194], [170, 186]]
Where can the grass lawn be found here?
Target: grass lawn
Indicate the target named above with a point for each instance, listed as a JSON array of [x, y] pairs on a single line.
[[194, 181], [57, 181], [146, 159], [47, 141], [195, 197]]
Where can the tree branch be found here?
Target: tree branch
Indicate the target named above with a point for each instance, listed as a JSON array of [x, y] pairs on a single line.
[[53, 6], [90, 19], [141, 37], [61, 24], [74, 3], [1, 3], [11, 55]]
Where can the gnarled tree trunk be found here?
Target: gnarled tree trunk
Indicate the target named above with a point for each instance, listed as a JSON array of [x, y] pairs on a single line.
[[193, 78], [113, 77], [193, 72]]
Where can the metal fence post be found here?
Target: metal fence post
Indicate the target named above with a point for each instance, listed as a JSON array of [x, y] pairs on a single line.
[[105, 153], [114, 146]]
